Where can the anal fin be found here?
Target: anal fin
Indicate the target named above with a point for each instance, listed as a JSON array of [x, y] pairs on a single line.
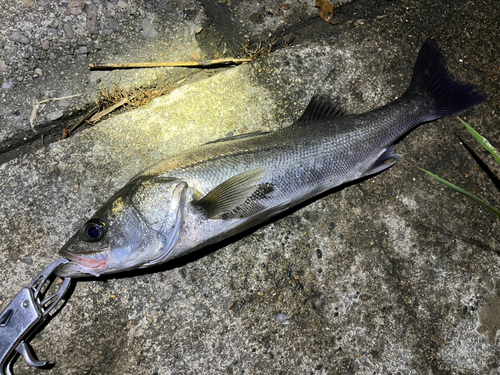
[[383, 162]]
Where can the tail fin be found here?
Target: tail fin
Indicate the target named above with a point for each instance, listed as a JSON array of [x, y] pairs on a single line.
[[431, 79]]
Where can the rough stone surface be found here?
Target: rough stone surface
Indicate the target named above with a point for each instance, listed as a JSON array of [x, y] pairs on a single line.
[[91, 11], [18, 37], [68, 30], [75, 7], [391, 274], [148, 30]]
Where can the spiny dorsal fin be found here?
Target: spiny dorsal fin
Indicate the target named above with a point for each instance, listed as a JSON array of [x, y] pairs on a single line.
[[231, 193], [320, 108]]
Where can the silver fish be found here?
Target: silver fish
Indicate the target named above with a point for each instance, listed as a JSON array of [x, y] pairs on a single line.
[[211, 192]]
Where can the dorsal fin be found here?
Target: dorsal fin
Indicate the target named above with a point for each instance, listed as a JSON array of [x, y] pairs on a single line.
[[320, 108]]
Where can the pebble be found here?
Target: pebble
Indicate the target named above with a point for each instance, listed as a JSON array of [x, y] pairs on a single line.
[[91, 11], [56, 115], [81, 50], [16, 36], [113, 24], [75, 7], [3, 66], [45, 45], [38, 72], [8, 84], [68, 30]]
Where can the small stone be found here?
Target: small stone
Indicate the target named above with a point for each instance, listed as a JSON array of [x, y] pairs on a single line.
[[16, 36], [27, 260], [45, 45], [75, 7], [91, 11], [149, 320], [81, 50], [112, 24], [56, 115], [52, 31], [68, 30], [3, 66], [8, 84]]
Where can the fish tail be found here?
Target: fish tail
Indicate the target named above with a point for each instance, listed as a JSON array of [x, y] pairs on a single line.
[[431, 79]]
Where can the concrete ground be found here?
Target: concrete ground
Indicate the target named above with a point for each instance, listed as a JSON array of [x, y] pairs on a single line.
[[394, 274]]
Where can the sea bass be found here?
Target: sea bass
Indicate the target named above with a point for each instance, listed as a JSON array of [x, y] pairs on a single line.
[[206, 194]]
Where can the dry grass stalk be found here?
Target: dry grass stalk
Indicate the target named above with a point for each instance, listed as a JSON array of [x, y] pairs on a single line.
[[201, 64], [37, 103]]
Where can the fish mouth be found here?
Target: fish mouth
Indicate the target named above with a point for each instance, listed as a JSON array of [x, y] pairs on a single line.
[[80, 266]]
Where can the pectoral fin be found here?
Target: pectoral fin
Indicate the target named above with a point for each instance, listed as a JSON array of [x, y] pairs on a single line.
[[231, 193], [386, 160]]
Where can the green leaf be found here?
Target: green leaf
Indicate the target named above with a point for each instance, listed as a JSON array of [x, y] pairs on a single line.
[[482, 203], [484, 142]]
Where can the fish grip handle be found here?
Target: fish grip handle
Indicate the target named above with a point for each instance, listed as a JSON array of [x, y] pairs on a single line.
[[24, 314]]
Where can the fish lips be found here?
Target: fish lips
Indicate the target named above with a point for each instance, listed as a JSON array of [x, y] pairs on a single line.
[[82, 265]]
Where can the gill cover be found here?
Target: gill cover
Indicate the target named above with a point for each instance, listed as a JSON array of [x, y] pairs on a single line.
[[172, 225]]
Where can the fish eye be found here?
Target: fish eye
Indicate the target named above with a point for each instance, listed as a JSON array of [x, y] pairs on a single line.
[[93, 230]]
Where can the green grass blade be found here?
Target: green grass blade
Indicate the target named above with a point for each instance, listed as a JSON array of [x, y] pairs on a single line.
[[482, 203], [484, 142]]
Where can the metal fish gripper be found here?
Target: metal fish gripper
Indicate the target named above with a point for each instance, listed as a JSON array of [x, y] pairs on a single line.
[[24, 314]]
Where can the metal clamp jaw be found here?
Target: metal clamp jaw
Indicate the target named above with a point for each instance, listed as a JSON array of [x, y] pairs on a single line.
[[24, 314]]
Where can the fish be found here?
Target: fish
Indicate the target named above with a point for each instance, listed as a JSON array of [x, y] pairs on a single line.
[[209, 193]]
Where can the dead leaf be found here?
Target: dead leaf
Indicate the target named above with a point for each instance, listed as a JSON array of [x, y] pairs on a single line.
[[326, 12], [65, 134]]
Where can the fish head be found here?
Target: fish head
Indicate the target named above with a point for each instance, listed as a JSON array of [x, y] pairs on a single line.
[[136, 228]]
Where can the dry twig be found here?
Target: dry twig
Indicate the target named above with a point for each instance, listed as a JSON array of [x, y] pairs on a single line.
[[201, 64], [36, 105]]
